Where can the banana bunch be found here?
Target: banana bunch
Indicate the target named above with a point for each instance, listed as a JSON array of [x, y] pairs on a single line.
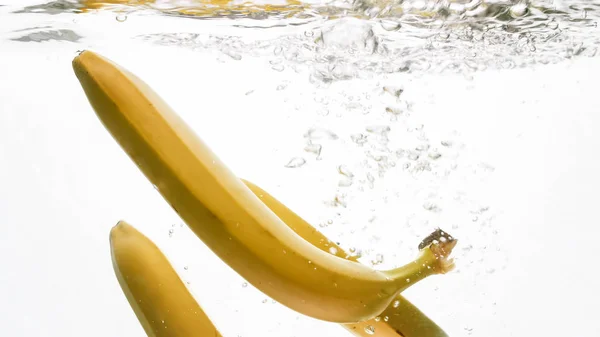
[[261, 239]]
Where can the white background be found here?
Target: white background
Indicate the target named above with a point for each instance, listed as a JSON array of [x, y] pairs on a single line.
[[64, 183]]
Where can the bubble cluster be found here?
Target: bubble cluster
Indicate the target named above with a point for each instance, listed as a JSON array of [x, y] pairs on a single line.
[[418, 36]]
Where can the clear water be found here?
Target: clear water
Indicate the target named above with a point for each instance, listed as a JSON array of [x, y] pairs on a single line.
[[365, 36], [376, 120]]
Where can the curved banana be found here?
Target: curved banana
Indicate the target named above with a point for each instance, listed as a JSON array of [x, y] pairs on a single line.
[[400, 319], [229, 218], [297, 224], [202, 8], [160, 300]]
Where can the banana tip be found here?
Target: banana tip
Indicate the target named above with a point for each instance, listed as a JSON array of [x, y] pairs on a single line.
[[83, 58], [79, 53], [122, 227], [76, 63]]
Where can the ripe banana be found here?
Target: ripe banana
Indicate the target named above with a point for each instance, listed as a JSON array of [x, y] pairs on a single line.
[[399, 319], [297, 224], [224, 213], [160, 300]]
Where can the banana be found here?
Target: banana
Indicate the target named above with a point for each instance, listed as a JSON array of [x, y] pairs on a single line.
[[224, 213], [160, 300], [297, 224], [201, 8], [400, 319]]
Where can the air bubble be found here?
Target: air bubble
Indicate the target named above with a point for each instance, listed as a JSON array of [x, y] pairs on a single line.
[[378, 129], [518, 10], [422, 147], [318, 133], [396, 92], [345, 182], [359, 138], [390, 25], [349, 34], [278, 67], [396, 304], [393, 110], [313, 148], [345, 171], [430, 206], [434, 155], [413, 155], [121, 18], [369, 329], [296, 162]]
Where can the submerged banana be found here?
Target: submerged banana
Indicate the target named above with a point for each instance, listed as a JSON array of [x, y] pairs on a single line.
[[297, 224], [160, 300], [399, 319], [224, 213]]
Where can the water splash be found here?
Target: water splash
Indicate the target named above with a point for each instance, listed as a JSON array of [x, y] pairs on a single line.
[[443, 37], [34, 35]]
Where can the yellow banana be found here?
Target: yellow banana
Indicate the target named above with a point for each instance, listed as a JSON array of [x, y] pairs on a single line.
[[201, 8], [224, 213], [160, 300], [297, 224], [400, 319]]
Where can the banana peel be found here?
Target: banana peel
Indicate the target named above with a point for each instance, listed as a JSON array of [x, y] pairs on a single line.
[[412, 321], [401, 318], [159, 298]]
